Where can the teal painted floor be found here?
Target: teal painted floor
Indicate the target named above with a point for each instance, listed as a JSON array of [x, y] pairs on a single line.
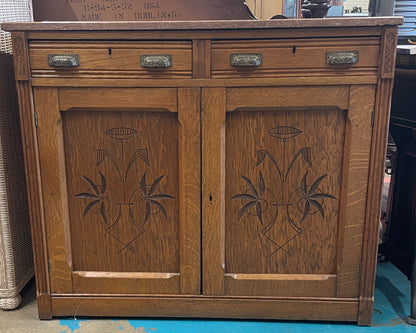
[[392, 306]]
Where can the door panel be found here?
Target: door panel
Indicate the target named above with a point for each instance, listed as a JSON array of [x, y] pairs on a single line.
[[121, 189], [282, 203], [115, 213], [288, 181], [283, 198]]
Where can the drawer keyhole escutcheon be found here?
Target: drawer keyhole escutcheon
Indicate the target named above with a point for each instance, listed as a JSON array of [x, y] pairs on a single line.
[[63, 60]]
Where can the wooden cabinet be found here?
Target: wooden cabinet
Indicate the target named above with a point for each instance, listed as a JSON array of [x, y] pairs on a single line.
[[239, 176]]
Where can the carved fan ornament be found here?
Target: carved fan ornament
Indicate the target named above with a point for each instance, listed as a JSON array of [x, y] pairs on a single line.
[[136, 208], [259, 202]]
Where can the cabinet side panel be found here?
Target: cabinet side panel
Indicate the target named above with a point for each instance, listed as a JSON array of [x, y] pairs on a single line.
[[375, 181], [35, 197]]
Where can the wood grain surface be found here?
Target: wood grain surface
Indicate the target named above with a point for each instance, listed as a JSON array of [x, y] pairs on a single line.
[[283, 56], [284, 241], [124, 191], [116, 56], [189, 117], [233, 308], [212, 25], [213, 190]]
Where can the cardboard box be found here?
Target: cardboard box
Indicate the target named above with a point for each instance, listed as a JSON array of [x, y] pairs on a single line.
[[139, 10]]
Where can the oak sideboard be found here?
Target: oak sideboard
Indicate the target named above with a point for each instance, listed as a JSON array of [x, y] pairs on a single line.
[[217, 169]]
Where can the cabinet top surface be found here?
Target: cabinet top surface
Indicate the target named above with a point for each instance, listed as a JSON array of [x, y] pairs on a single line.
[[203, 25]]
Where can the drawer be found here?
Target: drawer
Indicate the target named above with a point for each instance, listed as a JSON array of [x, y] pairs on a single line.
[[131, 59], [268, 58]]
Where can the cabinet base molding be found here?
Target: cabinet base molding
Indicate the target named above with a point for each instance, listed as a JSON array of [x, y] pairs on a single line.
[[206, 307]]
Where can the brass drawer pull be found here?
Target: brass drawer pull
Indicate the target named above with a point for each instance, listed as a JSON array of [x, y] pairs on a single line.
[[342, 57], [246, 59], [156, 61], [63, 60]]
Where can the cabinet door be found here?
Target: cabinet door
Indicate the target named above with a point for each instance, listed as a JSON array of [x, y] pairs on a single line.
[[284, 177], [121, 189]]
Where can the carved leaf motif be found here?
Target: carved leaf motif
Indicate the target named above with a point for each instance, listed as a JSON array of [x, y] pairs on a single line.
[[155, 185], [244, 197], [321, 196], [246, 208], [318, 206], [102, 212], [86, 195], [97, 196], [258, 212], [143, 185], [161, 196], [103, 183], [89, 206], [306, 155], [310, 196], [262, 186], [306, 211], [91, 185], [303, 184], [316, 184], [261, 155], [148, 211], [250, 186], [101, 155], [151, 198], [111, 158], [160, 206], [143, 154]]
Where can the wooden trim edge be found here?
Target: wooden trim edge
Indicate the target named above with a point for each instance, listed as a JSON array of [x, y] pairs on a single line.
[[198, 307]]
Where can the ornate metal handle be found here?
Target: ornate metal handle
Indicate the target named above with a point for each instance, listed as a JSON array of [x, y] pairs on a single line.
[[63, 60], [156, 61], [246, 59], [342, 57]]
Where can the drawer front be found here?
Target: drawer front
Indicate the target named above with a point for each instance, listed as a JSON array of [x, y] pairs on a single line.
[[268, 58], [137, 59]]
